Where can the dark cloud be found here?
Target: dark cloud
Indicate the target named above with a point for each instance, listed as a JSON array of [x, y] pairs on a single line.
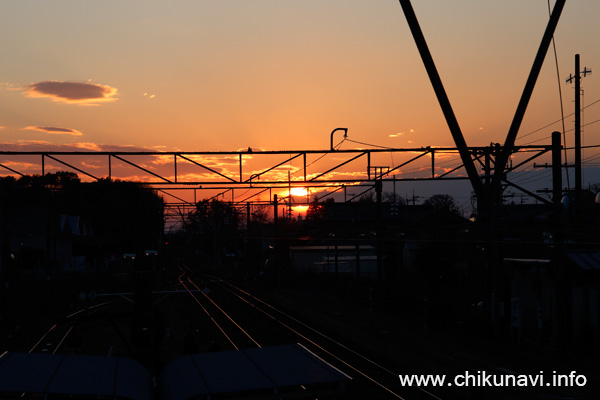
[[54, 130], [72, 92], [42, 145]]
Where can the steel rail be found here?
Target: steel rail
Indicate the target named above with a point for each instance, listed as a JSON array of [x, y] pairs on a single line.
[[312, 342]]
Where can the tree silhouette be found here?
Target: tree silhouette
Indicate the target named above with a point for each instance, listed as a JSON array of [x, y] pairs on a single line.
[[214, 229], [442, 204]]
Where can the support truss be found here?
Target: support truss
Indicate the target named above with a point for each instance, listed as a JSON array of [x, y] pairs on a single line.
[[324, 170]]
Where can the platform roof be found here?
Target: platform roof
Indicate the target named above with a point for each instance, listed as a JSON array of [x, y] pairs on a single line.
[[268, 369], [74, 375]]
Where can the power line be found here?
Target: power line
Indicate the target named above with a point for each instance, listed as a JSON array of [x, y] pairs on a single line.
[[562, 112], [569, 130], [368, 144], [324, 154], [557, 121]]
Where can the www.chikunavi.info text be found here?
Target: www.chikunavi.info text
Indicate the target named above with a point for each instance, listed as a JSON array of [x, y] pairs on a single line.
[[486, 379]]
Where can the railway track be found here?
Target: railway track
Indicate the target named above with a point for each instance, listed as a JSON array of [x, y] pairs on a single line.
[[55, 338], [239, 319], [373, 377], [246, 321]]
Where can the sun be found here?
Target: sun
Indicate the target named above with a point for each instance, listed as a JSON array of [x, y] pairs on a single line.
[[300, 209], [298, 191]]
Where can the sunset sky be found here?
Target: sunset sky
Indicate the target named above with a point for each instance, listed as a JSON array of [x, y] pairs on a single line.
[[208, 75]]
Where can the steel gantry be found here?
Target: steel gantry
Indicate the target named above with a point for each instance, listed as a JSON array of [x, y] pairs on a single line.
[[231, 170], [252, 177], [487, 195]]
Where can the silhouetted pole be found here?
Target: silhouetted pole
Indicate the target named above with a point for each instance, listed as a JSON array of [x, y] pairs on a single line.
[[247, 217], [379, 238], [577, 130], [556, 168], [487, 170], [357, 255], [577, 78], [335, 246], [275, 206], [561, 311]]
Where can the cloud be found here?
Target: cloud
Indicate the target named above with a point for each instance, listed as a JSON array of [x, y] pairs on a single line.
[[20, 165], [96, 165], [41, 145], [88, 146], [25, 143], [72, 92], [359, 176], [9, 86], [54, 130]]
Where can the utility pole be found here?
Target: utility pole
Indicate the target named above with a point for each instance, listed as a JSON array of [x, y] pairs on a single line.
[[577, 79], [379, 230], [556, 169], [275, 206], [289, 211]]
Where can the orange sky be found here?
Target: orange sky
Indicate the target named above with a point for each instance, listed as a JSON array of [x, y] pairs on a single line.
[[223, 75]]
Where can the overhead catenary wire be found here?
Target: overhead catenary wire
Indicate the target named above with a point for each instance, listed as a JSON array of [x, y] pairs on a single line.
[[457, 165], [562, 112], [568, 130], [318, 158], [557, 121]]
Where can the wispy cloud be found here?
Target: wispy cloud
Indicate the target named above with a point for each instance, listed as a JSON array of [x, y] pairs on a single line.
[[398, 134], [20, 165], [42, 145], [9, 86], [54, 130], [88, 146], [83, 93]]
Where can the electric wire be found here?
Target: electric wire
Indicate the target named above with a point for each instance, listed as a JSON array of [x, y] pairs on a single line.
[[368, 144], [324, 154], [562, 112], [557, 121], [537, 176], [568, 130]]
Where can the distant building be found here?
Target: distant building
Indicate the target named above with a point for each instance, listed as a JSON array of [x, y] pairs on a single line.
[[347, 260]]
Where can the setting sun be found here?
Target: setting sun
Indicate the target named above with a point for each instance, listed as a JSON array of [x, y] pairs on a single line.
[[298, 191]]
